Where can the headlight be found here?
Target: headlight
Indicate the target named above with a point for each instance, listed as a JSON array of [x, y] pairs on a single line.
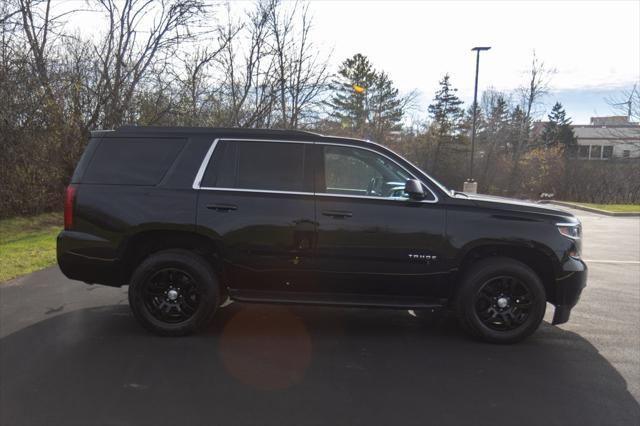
[[570, 230]]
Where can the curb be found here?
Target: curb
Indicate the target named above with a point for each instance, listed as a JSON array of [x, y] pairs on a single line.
[[591, 209]]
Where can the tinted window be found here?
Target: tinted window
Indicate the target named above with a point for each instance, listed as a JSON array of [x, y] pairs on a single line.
[[221, 171], [354, 171], [139, 161], [270, 166]]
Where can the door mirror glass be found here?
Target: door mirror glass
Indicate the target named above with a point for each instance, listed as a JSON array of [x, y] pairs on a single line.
[[413, 188]]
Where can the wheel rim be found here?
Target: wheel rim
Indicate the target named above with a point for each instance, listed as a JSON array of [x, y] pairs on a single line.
[[171, 295], [504, 303]]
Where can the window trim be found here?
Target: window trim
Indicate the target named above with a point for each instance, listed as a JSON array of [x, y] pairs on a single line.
[[207, 158]]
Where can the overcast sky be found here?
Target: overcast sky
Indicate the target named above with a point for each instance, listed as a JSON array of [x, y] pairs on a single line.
[[593, 45]]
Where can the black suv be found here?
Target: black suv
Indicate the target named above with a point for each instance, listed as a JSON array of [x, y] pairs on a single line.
[[189, 217]]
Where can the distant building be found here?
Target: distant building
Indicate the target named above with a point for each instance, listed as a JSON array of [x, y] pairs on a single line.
[[608, 138]]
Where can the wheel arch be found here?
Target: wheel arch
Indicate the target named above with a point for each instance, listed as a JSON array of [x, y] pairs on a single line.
[[537, 258], [141, 245]]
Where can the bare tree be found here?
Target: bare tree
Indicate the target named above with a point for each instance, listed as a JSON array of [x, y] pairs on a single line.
[[125, 59], [627, 102], [531, 97], [246, 83]]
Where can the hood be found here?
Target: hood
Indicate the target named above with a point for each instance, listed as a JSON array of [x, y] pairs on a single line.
[[514, 205]]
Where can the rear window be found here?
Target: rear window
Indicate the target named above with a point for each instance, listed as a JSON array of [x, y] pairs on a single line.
[[270, 166], [126, 161]]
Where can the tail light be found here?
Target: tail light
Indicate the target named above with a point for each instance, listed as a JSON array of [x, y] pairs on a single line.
[[69, 199]]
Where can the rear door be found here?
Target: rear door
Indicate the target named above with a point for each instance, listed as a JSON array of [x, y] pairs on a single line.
[[256, 200]]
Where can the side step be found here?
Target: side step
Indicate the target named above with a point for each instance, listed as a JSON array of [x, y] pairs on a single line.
[[356, 300]]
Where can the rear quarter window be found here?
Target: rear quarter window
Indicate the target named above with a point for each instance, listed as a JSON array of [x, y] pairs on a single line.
[[132, 161]]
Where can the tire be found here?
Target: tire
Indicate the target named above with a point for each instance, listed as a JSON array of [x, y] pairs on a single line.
[[500, 300], [174, 293]]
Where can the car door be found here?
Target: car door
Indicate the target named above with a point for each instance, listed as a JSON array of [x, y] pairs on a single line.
[[256, 201], [372, 239]]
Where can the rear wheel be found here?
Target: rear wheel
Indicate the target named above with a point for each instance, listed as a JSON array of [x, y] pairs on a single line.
[[501, 300], [174, 293]]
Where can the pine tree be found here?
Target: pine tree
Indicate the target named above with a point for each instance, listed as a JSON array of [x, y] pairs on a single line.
[[385, 106], [518, 129], [558, 130], [365, 100], [349, 106], [447, 115], [495, 136]]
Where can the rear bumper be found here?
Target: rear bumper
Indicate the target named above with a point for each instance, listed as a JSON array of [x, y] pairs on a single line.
[[84, 257], [569, 288]]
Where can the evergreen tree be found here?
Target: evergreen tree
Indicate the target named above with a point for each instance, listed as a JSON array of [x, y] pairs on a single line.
[[447, 115], [495, 135], [517, 133], [385, 105], [365, 100], [349, 105], [558, 130]]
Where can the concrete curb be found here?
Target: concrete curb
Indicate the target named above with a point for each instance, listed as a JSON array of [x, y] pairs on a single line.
[[590, 209]]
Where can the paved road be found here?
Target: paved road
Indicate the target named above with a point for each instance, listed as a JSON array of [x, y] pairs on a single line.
[[71, 354]]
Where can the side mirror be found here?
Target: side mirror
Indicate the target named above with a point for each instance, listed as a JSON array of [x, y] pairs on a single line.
[[413, 187]]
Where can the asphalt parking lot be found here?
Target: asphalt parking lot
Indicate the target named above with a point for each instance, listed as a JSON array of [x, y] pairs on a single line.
[[71, 354]]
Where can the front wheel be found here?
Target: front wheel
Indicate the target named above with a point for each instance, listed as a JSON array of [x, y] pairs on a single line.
[[174, 293], [501, 300]]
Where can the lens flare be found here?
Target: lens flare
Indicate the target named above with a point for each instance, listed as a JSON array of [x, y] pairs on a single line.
[[266, 347]]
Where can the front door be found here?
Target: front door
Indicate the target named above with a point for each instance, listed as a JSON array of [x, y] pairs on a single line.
[[373, 240], [256, 201]]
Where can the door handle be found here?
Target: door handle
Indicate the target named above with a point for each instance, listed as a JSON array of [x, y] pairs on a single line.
[[337, 213], [222, 207]]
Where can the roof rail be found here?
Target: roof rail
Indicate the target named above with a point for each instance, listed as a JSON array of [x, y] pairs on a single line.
[[178, 129]]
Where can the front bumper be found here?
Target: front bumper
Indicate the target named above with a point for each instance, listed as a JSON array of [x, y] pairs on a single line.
[[568, 289]]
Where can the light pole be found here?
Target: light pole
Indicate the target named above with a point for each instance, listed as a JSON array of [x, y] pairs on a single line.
[[471, 185]]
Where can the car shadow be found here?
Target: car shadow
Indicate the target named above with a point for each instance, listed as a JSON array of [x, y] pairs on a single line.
[[261, 364]]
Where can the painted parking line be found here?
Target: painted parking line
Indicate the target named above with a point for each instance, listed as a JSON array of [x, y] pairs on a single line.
[[629, 262]]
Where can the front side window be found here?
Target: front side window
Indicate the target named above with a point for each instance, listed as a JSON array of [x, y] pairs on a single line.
[[269, 166], [360, 172]]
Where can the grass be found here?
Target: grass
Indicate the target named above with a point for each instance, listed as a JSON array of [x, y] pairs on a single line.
[[28, 244], [616, 208]]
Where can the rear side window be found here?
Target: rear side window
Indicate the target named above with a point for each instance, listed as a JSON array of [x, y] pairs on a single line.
[[271, 166], [127, 161]]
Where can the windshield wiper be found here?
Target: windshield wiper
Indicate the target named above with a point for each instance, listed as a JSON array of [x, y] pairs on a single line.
[[454, 192]]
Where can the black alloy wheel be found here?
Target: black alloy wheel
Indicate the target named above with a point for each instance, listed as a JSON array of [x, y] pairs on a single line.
[[504, 303], [174, 292], [500, 300], [171, 295]]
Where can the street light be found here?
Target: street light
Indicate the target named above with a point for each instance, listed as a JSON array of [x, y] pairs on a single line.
[[471, 185]]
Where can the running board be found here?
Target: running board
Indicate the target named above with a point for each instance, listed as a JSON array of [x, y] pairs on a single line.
[[355, 300]]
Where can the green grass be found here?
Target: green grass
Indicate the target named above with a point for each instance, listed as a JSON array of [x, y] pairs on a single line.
[[616, 208], [28, 244]]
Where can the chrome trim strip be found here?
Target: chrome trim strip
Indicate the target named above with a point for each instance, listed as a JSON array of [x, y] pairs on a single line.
[[265, 191], [205, 162], [368, 197]]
